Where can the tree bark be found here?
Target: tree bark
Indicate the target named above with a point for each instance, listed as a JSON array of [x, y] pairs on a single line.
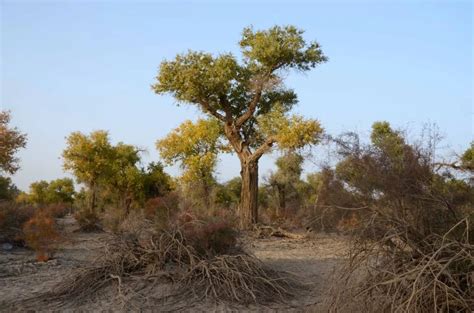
[[248, 209], [93, 198], [207, 195], [281, 198]]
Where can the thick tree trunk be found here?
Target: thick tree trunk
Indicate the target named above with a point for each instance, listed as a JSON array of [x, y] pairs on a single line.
[[248, 209]]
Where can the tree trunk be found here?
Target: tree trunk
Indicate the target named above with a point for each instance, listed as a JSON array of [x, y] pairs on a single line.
[[248, 209], [93, 199], [207, 195], [128, 204], [281, 199]]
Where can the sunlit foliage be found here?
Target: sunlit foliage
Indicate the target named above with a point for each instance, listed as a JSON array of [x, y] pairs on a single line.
[[248, 98], [57, 191], [195, 147], [11, 140]]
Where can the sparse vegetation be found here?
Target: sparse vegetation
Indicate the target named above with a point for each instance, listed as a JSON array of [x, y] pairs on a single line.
[[399, 216], [412, 249]]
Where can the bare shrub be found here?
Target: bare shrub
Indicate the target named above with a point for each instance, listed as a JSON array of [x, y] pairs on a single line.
[[112, 218], [130, 261], [237, 278], [88, 220], [333, 205], [413, 246], [401, 274]]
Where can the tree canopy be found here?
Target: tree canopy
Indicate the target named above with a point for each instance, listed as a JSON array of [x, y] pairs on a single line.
[[60, 190], [88, 156], [248, 97], [11, 140], [195, 147]]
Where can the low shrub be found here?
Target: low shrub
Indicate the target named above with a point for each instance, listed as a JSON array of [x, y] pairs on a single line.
[[88, 220], [58, 210], [12, 218], [412, 238], [403, 273], [112, 218], [162, 209], [40, 234], [209, 235]]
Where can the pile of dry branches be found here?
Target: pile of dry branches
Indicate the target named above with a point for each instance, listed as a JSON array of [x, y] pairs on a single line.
[[401, 272], [130, 262]]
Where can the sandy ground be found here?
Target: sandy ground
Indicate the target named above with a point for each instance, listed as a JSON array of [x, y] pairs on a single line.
[[312, 259]]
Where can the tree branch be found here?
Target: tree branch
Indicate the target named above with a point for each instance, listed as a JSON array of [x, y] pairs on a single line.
[[258, 95], [251, 110], [212, 111], [265, 147], [454, 165], [226, 107]]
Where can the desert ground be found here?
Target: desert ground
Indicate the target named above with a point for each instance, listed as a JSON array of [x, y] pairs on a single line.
[[311, 258]]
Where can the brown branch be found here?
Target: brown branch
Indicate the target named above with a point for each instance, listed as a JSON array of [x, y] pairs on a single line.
[[212, 111], [265, 147], [454, 166], [251, 110], [226, 107], [258, 95]]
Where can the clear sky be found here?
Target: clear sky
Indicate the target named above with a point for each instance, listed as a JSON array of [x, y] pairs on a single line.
[[88, 65]]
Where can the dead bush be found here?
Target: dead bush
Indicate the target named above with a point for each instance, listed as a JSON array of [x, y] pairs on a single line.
[[236, 278], [40, 234], [400, 273], [413, 242], [129, 262]]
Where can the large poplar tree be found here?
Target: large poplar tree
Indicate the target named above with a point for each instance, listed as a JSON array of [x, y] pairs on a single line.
[[248, 97]]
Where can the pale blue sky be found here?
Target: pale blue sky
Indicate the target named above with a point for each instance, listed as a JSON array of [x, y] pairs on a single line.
[[87, 65]]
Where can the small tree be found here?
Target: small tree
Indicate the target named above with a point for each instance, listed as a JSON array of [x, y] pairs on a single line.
[[61, 190], [156, 182], [8, 190], [38, 192], [287, 178], [57, 191], [125, 179], [248, 99], [88, 158], [195, 147], [11, 140]]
